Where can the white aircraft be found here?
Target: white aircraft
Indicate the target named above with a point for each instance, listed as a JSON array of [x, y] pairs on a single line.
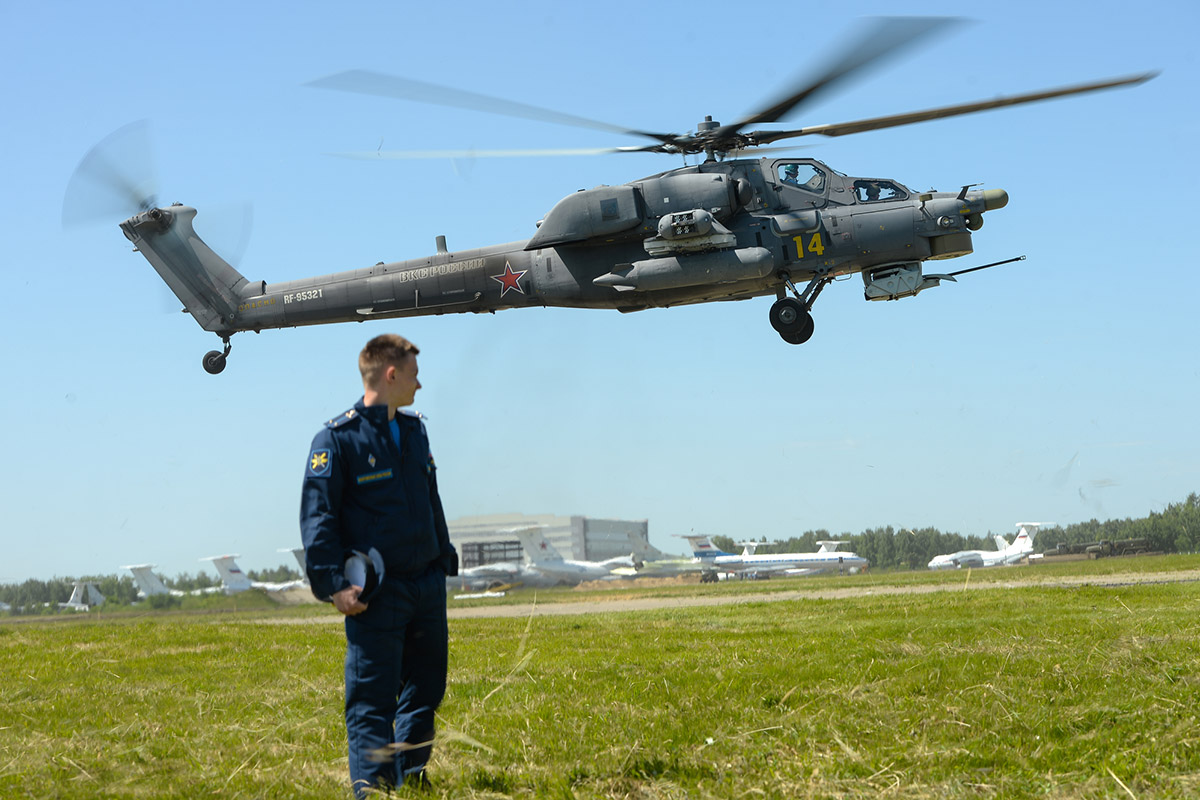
[[826, 559], [1003, 555], [649, 566], [545, 559], [85, 595], [298, 553], [148, 583], [233, 580], [499, 573], [703, 550], [485, 576]]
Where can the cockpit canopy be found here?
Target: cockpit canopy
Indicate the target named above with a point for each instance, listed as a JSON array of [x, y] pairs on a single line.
[[877, 191], [813, 180], [803, 175]]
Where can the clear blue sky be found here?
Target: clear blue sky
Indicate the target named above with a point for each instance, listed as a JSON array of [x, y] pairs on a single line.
[[1061, 388]]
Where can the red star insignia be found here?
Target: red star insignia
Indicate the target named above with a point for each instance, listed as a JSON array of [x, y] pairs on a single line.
[[509, 280]]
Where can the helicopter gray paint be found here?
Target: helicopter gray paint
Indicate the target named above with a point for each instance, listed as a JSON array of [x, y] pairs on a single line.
[[774, 228]]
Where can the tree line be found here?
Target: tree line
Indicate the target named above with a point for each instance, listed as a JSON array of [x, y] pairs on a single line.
[[1176, 529]]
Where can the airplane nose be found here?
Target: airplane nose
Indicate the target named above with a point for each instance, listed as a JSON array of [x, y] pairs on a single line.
[[994, 198]]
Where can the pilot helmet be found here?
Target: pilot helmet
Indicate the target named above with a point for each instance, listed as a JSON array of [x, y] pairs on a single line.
[[791, 170]]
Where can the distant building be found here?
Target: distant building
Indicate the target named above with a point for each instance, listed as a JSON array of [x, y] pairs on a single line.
[[482, 540]]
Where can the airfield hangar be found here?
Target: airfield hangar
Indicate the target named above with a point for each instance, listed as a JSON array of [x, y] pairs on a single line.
[[487, 540]]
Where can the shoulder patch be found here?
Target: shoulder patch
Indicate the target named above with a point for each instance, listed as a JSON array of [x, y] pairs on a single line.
[[410, 413], [342, 419], [319, 463]]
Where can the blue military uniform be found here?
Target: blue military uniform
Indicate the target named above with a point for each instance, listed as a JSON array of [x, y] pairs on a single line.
[[371, 483]]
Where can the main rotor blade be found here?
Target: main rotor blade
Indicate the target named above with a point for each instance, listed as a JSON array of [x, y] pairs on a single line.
[[114, 180], [877, 123], [404, 155], [885, 37], [380, 85]]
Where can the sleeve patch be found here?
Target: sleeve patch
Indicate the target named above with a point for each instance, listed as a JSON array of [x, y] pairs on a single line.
[[318, 464]]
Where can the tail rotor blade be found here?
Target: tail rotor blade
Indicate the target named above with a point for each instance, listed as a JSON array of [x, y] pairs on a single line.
[[114, 180]]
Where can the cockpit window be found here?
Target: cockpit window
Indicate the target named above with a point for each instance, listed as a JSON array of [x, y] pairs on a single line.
[[877, 191], [802, 176]]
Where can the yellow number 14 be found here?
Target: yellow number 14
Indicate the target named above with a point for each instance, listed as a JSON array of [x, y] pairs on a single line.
[[815, 245]]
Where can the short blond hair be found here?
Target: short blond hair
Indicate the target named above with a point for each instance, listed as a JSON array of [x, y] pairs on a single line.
[[383, 351]]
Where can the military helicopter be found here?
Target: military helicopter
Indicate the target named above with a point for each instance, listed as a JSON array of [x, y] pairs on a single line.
[[729, 228]]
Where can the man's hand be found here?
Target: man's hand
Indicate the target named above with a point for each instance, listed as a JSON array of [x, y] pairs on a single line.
[[347, 602]]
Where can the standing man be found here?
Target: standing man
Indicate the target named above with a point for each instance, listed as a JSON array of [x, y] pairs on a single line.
[[370, 487]]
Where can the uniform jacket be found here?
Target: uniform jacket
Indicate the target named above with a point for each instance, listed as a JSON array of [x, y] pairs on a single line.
[[361, 491]]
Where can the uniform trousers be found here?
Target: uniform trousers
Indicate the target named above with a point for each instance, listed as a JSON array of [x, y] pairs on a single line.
[[396, 661]]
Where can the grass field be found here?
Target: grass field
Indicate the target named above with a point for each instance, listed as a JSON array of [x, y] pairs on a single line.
[[1000, 692]]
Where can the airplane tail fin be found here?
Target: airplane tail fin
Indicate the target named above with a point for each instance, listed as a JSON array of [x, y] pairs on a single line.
[[828, 545], [298, 552], [209, 288], [536, 546], [84, 595], [1025, 533], [702, 547], [1001, 542], [232, 578], [78, 594], [149, 583]]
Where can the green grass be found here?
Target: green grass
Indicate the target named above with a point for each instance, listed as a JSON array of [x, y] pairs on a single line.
[[1012, 692]]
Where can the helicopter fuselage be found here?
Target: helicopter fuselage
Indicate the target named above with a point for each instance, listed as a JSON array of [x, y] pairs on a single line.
[[714, 231]]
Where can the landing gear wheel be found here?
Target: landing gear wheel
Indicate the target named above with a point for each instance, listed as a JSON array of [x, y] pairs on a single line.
[[801, 336], [790, 316], [214, 362], [787, 315], [790, 319]]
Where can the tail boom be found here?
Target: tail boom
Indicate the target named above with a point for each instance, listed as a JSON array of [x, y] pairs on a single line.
[[209, 288]]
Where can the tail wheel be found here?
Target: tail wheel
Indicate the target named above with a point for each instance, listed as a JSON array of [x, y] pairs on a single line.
[[214, 362]]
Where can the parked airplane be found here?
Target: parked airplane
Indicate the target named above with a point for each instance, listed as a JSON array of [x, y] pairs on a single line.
[[148, 583], [233, 580], [502, 573], [298, 553], [85, 595], [703, 550], [1004, 554], [545, 559], [826, 559]]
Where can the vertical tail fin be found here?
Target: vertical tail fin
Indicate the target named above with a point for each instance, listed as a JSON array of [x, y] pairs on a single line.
[[1025, 533], [298, 552], [147, 582], [208, 287], [536, 546], [84, 595], [233, 580], [702, 547]]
